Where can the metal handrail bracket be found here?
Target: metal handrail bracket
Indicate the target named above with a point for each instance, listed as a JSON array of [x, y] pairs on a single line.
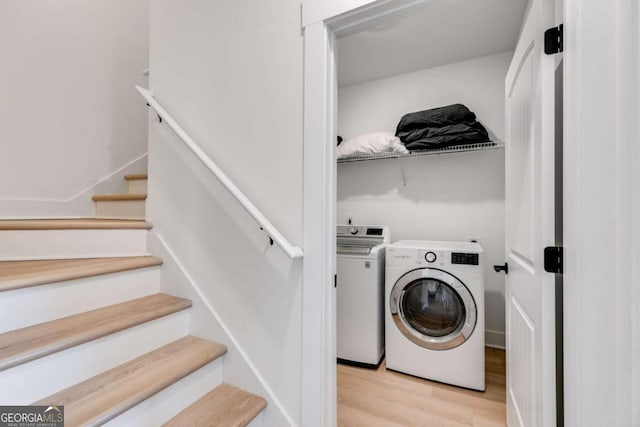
[[294, 252]]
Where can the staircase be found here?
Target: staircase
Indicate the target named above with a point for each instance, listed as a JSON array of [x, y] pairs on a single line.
[[85, 325], [129, 205]]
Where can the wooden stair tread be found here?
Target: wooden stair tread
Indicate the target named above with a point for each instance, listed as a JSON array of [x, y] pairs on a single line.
[[26, 344], [124, 197], [22, 274], [225, 406], [135, 176], [73, 224], [103, 397]]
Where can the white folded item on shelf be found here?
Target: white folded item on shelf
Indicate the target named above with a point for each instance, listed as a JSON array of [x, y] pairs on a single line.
[[371, 143]]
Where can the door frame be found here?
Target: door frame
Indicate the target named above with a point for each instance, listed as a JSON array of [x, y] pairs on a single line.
[[321, 24], [601, 208], [589, 27]]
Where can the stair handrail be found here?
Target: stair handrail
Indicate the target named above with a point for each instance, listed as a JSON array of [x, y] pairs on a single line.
[[294, 252]]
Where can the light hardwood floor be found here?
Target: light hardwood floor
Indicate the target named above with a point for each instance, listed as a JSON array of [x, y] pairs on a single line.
[[382, 398]]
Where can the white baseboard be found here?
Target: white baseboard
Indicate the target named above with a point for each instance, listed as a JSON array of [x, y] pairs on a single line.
[[78, 205], [494, 339], [239, 370]]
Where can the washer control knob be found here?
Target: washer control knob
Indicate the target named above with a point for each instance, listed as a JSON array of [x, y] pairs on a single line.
[[353, 230], [430, 257]]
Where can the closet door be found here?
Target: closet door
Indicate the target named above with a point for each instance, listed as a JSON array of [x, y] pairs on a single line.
[[530, 309]]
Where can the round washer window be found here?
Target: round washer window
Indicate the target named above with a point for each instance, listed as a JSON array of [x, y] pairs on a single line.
[[432, 308]]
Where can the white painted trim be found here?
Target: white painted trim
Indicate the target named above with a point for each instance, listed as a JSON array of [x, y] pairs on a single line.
[[570, 150], [634, 159], [627, 136], [355, 21], [89, 190], [602, 336], [294, 252], [314, 11], [79, 205], [577, 378], [630, 49], [319, 394], [494, 339], [254, 370]]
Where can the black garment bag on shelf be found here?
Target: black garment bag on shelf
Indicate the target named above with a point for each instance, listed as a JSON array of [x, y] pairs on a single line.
[[440, 128]]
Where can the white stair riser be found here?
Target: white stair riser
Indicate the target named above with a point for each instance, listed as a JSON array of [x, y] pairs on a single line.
[[37, 379], [137, 186], [67, 244], [120, 209], [38, 304], [163, 406]]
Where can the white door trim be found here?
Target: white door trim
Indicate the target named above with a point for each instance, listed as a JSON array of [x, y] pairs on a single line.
[[587, 377], [601, 211], [319, 392], [318, 293]]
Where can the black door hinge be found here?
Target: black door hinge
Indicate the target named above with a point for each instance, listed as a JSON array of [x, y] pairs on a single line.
[[335, 280], [554, 40], [553, 259]]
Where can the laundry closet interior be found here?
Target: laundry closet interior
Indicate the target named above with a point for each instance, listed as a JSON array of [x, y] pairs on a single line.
[[438, 54]]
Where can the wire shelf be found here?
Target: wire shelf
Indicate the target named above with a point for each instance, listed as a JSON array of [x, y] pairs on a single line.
[[456, 149]]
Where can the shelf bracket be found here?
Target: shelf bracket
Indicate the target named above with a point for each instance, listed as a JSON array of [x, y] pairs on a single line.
[[404, 174]]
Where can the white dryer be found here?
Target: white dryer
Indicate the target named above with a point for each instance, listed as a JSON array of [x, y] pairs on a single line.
[[360, 293], [434, 311]]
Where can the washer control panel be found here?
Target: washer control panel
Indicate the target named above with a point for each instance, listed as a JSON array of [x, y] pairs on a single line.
[[464, 258], [362, 235], [439, 255], [359, 230]]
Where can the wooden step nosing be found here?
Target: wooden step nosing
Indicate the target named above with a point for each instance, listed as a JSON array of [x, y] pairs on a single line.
[[233, 398], [190, 354], [73, 224], [73, 342], [82, 333], [136, 177], [148, 393], [124, 197], [78, 272]]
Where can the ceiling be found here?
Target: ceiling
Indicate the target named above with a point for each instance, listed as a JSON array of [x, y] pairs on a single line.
[[436, 33]]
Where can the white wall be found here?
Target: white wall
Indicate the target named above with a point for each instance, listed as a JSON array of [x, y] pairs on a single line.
[[69, 116], [446, 197], [230, 72]]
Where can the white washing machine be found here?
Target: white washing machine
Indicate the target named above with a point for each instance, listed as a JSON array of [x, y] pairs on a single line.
[[435, 311], [360, 293]]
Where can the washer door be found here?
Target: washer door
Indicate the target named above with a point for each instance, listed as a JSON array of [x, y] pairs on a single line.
[[433, 308]]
